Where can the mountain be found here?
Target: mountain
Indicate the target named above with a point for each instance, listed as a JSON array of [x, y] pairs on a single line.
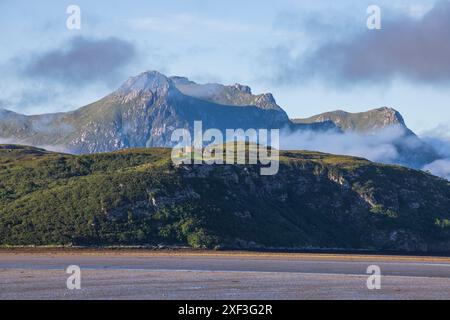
[[143, 112], [137, 196], [146, 109], [412, 151], [361, 122]]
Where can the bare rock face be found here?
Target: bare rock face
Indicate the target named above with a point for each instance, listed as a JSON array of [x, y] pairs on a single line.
[[391, 117], [242, 88]]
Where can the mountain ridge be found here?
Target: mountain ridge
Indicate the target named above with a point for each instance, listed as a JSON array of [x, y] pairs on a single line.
[[144, 110], [147, 107], [365, 121]]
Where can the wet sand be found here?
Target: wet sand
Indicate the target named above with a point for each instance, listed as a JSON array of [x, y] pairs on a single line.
[[142, 274]]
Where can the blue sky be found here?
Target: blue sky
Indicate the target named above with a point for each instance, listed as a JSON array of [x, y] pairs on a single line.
[[314, 56]]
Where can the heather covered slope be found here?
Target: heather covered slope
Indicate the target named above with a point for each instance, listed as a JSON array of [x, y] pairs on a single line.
[[138, 196]]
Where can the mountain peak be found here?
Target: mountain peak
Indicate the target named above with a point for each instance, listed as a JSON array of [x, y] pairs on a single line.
[[147, 81], [155, 83], [234, 95], [181, 80], [242, 88], [390, 116]]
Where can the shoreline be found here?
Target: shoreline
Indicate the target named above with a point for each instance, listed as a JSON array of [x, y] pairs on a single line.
[[112, 252]]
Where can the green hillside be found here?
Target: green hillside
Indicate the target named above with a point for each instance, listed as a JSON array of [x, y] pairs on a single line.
[[138, 196]]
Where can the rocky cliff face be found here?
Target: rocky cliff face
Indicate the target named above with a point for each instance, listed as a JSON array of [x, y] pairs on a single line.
[[339, 205]]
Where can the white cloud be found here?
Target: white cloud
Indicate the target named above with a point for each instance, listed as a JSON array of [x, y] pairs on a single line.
[[185, 23], [439, 138], [439, 168], [415, 10], [377, 147], [380, 146]]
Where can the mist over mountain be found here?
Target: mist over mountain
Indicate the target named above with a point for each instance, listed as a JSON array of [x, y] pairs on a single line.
[[440, 141], [148, 107], [380, 135]]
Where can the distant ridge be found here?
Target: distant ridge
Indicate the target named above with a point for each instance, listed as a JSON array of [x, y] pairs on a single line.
[[412, 150], [360, 122]]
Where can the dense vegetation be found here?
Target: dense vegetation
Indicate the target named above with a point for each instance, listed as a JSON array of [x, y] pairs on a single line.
[[138, 196]]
